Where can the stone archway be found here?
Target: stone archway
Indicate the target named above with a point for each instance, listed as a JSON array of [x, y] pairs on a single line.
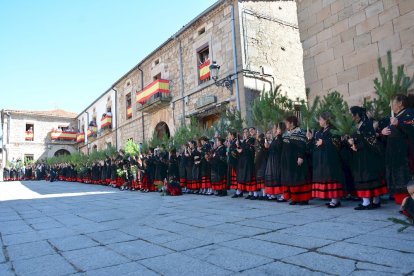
[[62, 152], [162, 129]]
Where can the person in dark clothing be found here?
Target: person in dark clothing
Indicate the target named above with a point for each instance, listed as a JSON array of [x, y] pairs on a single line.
[[366, 162], [273, 185], [399, 152], [246, 179], [219, 168], [295, 171], [407, 205], [260, 161], [327, 172]]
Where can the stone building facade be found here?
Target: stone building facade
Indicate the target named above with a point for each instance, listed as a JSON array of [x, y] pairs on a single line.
[[255, 43], [28, 134], [96, 124], [342, 40]]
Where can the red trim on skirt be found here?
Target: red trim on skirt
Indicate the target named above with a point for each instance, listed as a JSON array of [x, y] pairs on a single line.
[[260, 183], [194, 184], [205, 182], [249, 186], [400, 197], [147, 185], [275, 190], [298, 193], [220, 185], [183, 182], [372, 192], [233, 180], [327, 190]]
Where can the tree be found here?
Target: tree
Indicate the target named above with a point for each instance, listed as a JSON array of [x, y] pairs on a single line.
[[343, 123], [390, 85], [333, 100], [308, 112]]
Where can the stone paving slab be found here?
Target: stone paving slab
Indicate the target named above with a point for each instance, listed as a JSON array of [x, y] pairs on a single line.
[[77, 229]]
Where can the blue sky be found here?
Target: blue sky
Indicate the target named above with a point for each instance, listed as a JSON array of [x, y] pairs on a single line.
[[65, 53]]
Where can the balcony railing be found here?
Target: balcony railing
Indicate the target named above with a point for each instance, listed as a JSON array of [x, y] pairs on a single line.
[[155, 102], [29, 136], [204, 70], [57, 135], [106, 122]]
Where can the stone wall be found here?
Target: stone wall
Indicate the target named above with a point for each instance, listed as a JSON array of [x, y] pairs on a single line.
[[342, 40]]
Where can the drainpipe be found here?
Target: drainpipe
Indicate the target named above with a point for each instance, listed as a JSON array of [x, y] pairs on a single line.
[[115, 112], [142, 113], [180, 58], [86, 131], [236, 80]]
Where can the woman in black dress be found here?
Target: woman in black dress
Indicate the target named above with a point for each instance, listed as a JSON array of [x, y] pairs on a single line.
[[260, 161], [246, 180], [399, 153], [273, 166], [366, 162], [295, 171], [327, 172], [219, 168]]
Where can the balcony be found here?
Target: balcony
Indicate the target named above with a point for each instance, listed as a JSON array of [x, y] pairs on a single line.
[[68, 136], [29, 136], [154, 96], [106, 122], [92, 131]]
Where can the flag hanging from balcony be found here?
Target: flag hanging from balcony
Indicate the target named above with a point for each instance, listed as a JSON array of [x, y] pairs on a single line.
[[129, 111], [158, 86], [204, 70], [106, 121], [80, 137], [92, 131], [62, 135]]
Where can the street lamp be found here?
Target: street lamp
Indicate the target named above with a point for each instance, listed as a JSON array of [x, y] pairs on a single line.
[[226, 82]]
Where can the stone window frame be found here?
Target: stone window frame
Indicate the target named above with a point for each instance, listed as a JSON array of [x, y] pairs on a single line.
[[128, 96], [201, 43]]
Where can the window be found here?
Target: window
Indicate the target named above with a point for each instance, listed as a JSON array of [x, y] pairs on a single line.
[[95, 148], [203, 55], [156, 62], [201, 31], [130, 139], [29, 135], [203, 64], [128, 106], [157, 77]]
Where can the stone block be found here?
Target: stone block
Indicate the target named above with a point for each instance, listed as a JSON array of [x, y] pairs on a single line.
[[360, 56], [344, 48], [340, 26], [318, 262], [235, 260], [29, 250], [180, 264], [348, 34], [294, 240], [324, 57], [382, 32], [329, 82], [362, 40], [368, 68], [330, 21], [323, 14], [345, 13], [279, 268], [404, 22], [374, 9], [337, 6], [367, 25], [388, 15], [330, 68], [407, 38], [391, 43], [347, 76], [137, 250], [406, 6], [73, 242], [324, 35], [332, 42], [45, 265]]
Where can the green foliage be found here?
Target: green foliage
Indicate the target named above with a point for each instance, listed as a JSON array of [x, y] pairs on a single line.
[[131, 148], [343, 123], [376, 108], [271, 107], [332, 101], [390, 85], [308, 113]]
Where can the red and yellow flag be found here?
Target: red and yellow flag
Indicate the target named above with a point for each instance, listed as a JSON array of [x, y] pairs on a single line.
[[156, 86], [204, 70]]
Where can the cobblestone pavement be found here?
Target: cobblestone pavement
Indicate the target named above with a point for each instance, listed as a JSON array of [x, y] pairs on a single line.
[[71, 228]]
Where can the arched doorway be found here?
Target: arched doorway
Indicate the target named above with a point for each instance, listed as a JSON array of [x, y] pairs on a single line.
[[162, 129], [62, 152]]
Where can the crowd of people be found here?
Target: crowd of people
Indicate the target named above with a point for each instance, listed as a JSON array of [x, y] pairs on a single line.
[[285, 164]]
